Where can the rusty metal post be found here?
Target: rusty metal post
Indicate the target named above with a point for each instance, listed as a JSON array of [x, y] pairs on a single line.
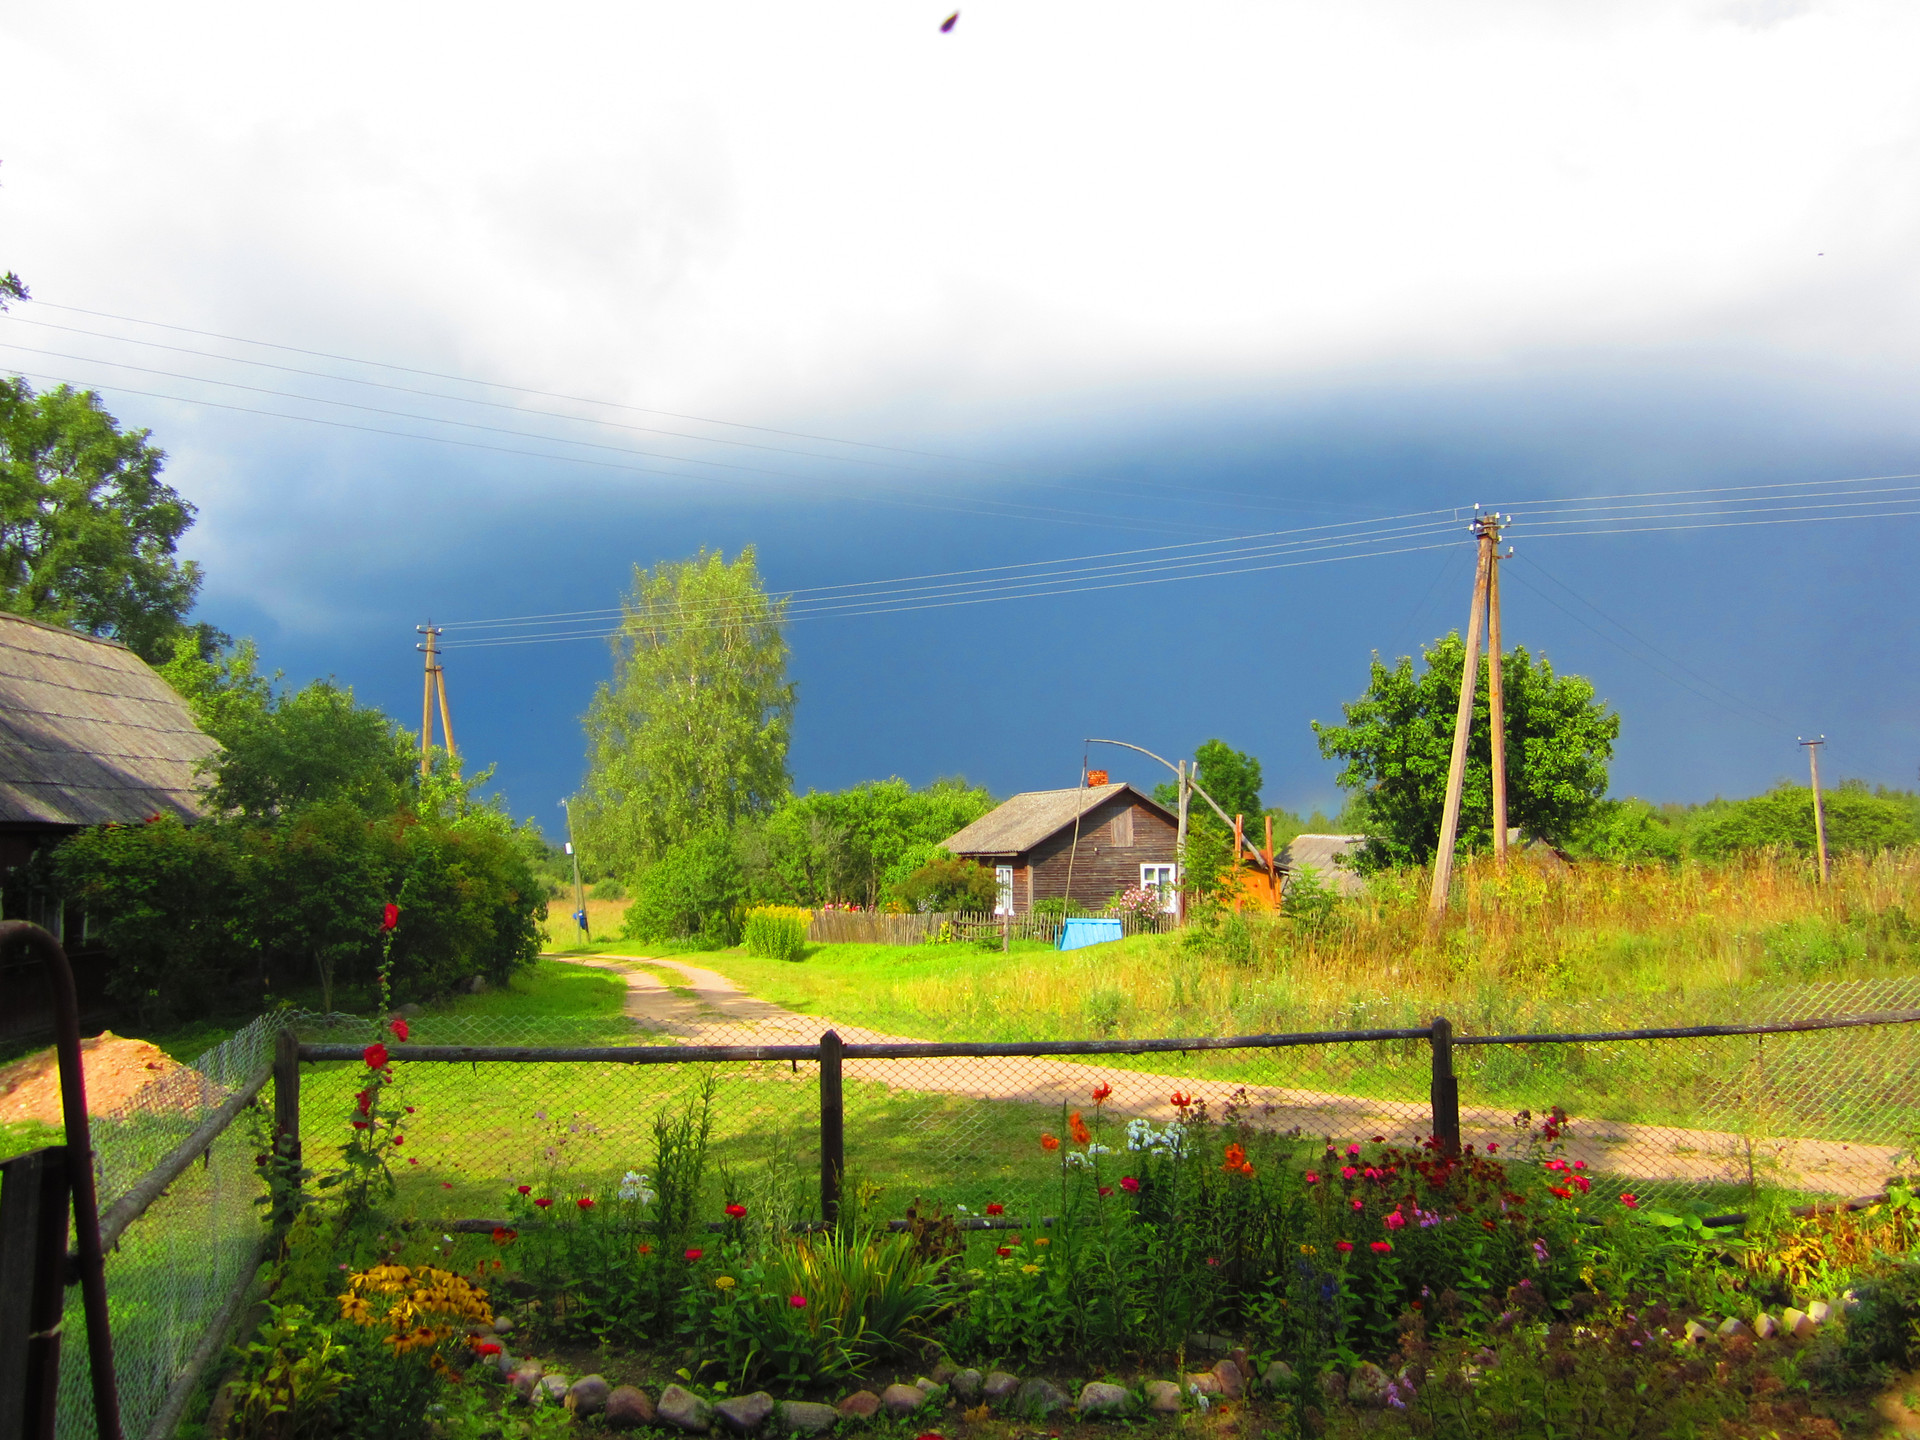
[[86, 1200], [33, 1272], [1445, 1093], [833, 1129]]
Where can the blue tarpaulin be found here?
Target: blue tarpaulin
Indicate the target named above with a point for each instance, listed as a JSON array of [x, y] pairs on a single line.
[[1075, 934]]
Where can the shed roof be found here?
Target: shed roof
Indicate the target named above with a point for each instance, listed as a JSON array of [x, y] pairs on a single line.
[[89, 733], [1327, 854], [1024, 821]]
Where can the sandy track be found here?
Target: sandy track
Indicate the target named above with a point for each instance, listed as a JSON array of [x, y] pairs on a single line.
[[707, 1008]]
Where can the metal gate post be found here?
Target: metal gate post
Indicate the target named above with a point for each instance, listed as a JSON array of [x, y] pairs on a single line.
[[33, 1273], [80, 1182], [833, 1129], [1445, 1092]]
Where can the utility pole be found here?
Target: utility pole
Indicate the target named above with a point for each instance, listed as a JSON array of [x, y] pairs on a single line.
[[579, 894], [1819, 812], [1496, 700], [436, 679], [1180, 851], [1462, 726]]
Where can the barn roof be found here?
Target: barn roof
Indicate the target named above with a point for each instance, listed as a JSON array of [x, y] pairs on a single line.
[[1025, 820], [89, 732], [1326, 854]]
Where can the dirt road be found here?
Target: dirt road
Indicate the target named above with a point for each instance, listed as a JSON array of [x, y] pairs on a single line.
[[702, 1006]]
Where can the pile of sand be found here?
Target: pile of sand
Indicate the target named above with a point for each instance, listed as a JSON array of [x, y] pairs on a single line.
[[116, 1069]]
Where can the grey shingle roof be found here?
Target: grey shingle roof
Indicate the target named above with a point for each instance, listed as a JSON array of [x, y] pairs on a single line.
[[1324, 853], [1025, 820], [88, 732]]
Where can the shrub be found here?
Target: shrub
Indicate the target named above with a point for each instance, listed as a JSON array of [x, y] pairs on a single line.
[[949, 883], [693, 891], [290, 1378], [776, 932]]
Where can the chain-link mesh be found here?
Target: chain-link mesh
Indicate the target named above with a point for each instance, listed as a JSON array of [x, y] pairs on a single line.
[[1820, 1113], [180, 1263]]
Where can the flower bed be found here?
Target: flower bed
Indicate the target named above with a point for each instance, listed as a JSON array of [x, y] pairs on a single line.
[[1335, 1285]]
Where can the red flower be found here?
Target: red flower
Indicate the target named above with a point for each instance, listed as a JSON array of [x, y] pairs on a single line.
[[399, 1027], [503, 1236], [1488, 1226], [996, 1209], [1630, 1200], [1381, 1247], [543, 1202], [1345, 1247], [643, 1248], [1493, 1147], [799, 1302], [1101, 1092], [1105, 1190], [1313, 1177], [1129, 1184], [1358, 1203], [389, 917], [1213, 1259], [365, 1101], [486, 1347], [524, 1189], [399, 1139], [1561, 1190], [1580, 1183], [1049, 1142], [693, 1254], [1179, 1100], [446, 1185], [737, 1212], [1003, 1252], [375, 1055], [359, 1124], [585, 1202], [413, 1162]]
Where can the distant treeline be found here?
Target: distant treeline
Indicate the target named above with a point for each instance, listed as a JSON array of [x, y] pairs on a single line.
[[1859, 819]]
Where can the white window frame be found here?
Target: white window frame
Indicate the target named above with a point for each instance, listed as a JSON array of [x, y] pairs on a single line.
[[1003, 890], [1163, 876]]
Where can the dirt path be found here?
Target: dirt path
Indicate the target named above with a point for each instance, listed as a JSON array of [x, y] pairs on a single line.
[[705, 1007]]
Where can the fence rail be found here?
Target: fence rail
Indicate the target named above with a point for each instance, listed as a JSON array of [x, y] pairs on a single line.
[[870, 927]]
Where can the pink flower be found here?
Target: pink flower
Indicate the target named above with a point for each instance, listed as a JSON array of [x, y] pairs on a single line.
[[1353, 1149], [1313, 1177], [693, 1254], [1345, 1247], [1630, 1200], [1381, 1247], [1358, 1203], [1396, 1220], [1347, 1172], [1129, 1184], [799, 1302], [1493, 1147]]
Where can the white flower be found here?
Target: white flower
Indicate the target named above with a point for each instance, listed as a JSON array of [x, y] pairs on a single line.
[[633, 1186]]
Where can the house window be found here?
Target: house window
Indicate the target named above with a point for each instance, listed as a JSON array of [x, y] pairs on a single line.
[[1003, 899], [1161, 878]]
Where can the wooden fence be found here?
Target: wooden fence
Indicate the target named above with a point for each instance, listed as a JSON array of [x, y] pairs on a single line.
[[869, 927]]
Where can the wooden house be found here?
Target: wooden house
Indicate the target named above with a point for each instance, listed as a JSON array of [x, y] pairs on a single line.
[[89, 734], [1112, 837]]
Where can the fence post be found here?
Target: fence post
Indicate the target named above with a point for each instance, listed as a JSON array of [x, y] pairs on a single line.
[[833, 1129], [1445, 1094], [33, 1269], [286, 1104]]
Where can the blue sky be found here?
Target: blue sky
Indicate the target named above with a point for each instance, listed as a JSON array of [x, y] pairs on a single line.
[[1117, 276]]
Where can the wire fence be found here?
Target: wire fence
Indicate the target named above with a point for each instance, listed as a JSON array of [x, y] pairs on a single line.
[[1714, 1118], [181, 1263], [872, 927]]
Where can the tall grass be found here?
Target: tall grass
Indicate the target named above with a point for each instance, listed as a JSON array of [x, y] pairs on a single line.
[[1536, 941]]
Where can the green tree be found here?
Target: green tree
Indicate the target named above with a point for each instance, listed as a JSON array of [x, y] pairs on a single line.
[[856, 844], [690, 735], [1232, 777], [87, 527], [693, 891], [1398, 738], [1782, 819]]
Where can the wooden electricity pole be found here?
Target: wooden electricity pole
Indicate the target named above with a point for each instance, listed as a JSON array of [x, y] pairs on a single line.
[[1485, 530], [1819, 813], [436, 680], [1496, 695]]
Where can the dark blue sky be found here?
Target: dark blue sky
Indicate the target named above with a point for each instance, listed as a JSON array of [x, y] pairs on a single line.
[[329, 550]]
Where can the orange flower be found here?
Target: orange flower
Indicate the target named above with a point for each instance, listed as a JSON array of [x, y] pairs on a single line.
[[1101, 1092], [1049, 1142], [1081, 1135], [1237, 1162], [1180, 1101]]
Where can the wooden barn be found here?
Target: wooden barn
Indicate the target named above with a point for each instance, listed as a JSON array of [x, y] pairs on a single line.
[[1125, 840], [89, 734]]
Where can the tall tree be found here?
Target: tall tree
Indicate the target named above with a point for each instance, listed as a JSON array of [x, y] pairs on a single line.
[[1398, 740], [691, 733], [1232, 777], [87, 527]]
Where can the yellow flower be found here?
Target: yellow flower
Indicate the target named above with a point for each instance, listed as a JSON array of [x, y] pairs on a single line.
[[1308, 1250], [723, 1282], [1041, 1240], [1029, 1269]]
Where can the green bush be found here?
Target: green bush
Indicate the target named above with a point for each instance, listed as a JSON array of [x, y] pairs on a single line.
[[949, 883], [776, 932], [693, 891]]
